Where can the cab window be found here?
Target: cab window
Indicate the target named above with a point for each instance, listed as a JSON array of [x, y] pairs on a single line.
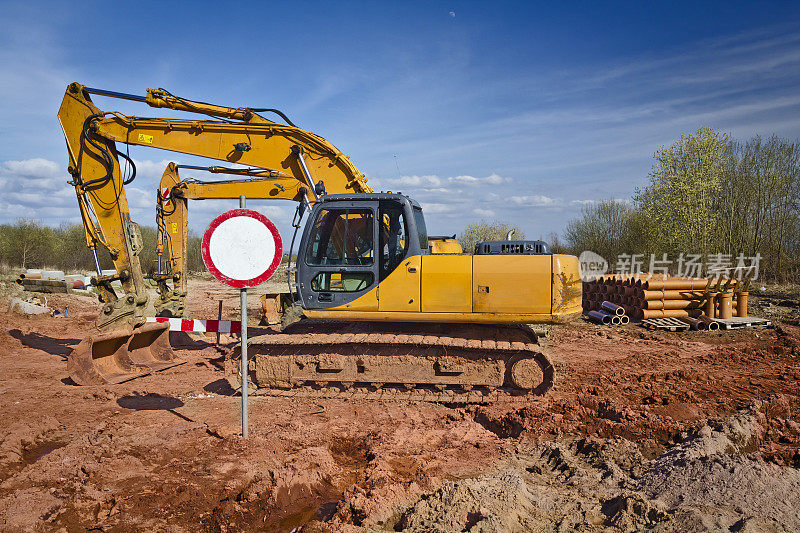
[[393, 237], [342, 281], [341, 237], [422, 231]]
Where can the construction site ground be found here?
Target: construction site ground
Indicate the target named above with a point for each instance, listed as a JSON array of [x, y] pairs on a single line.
[[670, 431]]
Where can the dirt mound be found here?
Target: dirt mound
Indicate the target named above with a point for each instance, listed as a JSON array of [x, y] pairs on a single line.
[[707, 483], [710, 480]]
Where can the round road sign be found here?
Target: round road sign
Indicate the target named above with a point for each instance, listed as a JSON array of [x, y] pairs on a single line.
[[242, 248]]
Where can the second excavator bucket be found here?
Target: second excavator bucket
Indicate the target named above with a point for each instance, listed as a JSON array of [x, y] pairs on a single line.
[[122, 355]]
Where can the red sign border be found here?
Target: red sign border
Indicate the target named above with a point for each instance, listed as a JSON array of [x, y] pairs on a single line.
[[252, 282]]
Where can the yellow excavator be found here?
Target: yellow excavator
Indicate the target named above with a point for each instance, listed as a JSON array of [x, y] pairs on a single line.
[[374, 312]]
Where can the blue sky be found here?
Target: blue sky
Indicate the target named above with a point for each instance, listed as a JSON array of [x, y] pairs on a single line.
[[519, 112]]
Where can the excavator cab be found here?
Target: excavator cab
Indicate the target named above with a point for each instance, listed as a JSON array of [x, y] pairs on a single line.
[[352, 243]]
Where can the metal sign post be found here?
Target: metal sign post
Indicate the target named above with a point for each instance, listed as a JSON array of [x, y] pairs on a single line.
[[243, 339], [242, 248]]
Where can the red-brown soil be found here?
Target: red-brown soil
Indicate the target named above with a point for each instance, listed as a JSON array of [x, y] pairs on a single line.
[[162, 453]]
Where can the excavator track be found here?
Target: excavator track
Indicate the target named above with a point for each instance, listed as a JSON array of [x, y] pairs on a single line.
[[444, 363]]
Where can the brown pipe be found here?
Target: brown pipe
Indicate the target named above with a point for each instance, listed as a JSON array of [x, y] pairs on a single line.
[[676, 284], [668, 313], [710, 307], [725, 305], [741, 303], [671, 304], [729, 284], [624, 319], [711, 323], [695, 323], [669, 295]]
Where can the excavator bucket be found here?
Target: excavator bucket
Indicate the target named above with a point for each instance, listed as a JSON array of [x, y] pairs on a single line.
[[120, 356]]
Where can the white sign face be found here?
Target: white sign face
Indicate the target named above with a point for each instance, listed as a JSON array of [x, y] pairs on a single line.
[[242, 248]]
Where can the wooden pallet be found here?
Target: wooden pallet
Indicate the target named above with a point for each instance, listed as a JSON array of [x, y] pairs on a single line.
[[742, 322], [668, 324]]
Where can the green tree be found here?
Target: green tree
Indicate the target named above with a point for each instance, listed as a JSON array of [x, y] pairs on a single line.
[[71, 249], [603, 228], [758, 203], [28, 244], [679, 201], [487, 231], [194, 255]]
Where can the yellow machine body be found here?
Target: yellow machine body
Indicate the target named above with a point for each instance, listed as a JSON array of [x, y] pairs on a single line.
[[490, 289]]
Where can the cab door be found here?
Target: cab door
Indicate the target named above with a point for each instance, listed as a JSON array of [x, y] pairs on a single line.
[[337, 264], [400, 275]]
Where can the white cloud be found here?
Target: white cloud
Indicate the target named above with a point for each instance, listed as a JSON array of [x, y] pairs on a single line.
[[33, 168], [148, 170], [273, 212], [492, 179], [483, 212], [417, 181], [434, 182], [435, 208], [141, 200], [536, 200], [36, 188]]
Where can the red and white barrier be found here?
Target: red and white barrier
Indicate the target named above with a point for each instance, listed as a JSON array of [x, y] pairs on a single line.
[[201, 326]]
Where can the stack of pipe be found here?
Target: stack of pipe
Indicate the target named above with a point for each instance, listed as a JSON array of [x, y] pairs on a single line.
[[609, 313], [645, 296]]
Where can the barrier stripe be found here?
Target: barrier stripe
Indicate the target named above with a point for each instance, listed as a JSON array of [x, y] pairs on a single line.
[[197, 325]]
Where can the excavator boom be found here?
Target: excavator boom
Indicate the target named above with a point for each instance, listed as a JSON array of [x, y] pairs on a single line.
[[289, 162]]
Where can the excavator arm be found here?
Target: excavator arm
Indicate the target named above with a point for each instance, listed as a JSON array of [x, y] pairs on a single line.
[[172, 212], [299, 165]]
